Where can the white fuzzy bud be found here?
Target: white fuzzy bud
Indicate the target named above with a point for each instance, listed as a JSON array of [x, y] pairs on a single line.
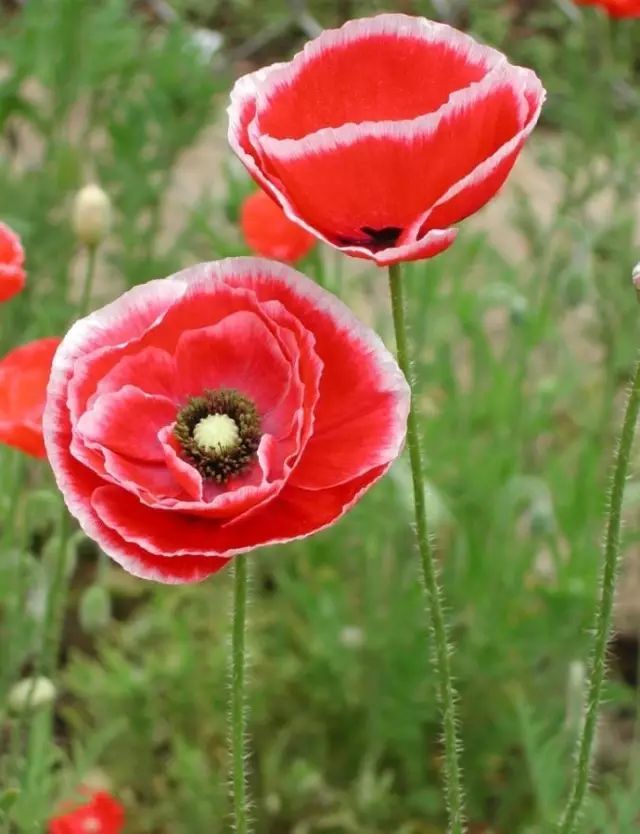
[[91, 217], [635, 276], [31, 693]]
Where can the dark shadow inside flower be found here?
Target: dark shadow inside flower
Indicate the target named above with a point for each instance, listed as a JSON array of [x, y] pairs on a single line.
[[375, 239]]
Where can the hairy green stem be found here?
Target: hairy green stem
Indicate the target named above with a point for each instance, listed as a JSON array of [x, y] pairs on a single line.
[[87, 287], [437, 624], [56, 594], [580, 785], [238, 706]]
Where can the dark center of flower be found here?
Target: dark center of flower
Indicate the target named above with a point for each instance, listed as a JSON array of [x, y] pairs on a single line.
[[219, 433], [374, 239]]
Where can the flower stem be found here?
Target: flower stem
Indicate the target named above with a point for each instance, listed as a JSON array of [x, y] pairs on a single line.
[[238, 707], [56, 595], [56, 598], [604, 612], [87, 286], [437, 624]]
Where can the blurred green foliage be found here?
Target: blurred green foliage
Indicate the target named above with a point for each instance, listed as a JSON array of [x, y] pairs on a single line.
[[522, 351]]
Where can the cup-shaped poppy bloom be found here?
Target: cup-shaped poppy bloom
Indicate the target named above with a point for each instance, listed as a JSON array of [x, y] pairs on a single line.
[[269, 232], [615, 8], [232, 405], [381, 135], [101, 814], [24, 373], [12, 274]]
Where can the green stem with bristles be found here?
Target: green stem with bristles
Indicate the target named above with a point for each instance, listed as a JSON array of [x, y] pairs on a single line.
[[437, 623], [238, 706], [604, 613]]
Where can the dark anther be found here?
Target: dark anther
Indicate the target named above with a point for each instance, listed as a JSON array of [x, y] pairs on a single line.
[[219, 465]]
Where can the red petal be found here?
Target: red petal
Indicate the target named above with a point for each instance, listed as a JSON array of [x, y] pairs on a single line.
[[184, 473], [24, 373], [11, 252], [24, 437], [366, 185], [388, 67], [239, 352], [475, 189], [151, 369], [12, 281], [295, 513], [359, 379], [269, 232]]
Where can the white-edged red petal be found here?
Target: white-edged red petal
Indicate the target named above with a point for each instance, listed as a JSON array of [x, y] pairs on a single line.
[[361, 137], [138, 496]]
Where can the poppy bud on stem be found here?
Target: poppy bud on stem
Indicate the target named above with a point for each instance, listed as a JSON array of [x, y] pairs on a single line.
[[604, 612], [437, 623]]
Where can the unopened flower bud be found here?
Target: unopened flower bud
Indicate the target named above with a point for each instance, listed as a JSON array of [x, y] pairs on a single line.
[[91, 215], [352, 637], [31, 693]]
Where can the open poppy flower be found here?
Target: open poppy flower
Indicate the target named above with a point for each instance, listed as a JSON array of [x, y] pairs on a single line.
[[615, 8], [232, 405], [24, 373], [381, 135], [101, 814], [12, 274], [269, 232]]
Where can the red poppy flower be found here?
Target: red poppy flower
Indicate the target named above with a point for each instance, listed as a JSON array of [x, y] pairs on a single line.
[[615, 8], [381, 135], [233, 405], [100, 815], [12, 275], [269, 232], [24, 373]]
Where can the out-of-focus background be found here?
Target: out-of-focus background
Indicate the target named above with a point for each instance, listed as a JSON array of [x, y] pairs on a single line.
[[525, 331]]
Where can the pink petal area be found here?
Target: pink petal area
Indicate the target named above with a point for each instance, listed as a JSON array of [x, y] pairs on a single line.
[[359, 375], [151, 369], [241, 495], [239, 352], [244, 493], [78, 483], [183, 472], [293, 514], [127, 422], [152, 481], [119, 323], [387, 67]]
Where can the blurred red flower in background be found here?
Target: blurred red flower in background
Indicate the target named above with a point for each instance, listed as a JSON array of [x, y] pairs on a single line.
[[378, 137], [12, 274], [269, 232], [24, 373], [101, 814], [232, 405], [615, 8]]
